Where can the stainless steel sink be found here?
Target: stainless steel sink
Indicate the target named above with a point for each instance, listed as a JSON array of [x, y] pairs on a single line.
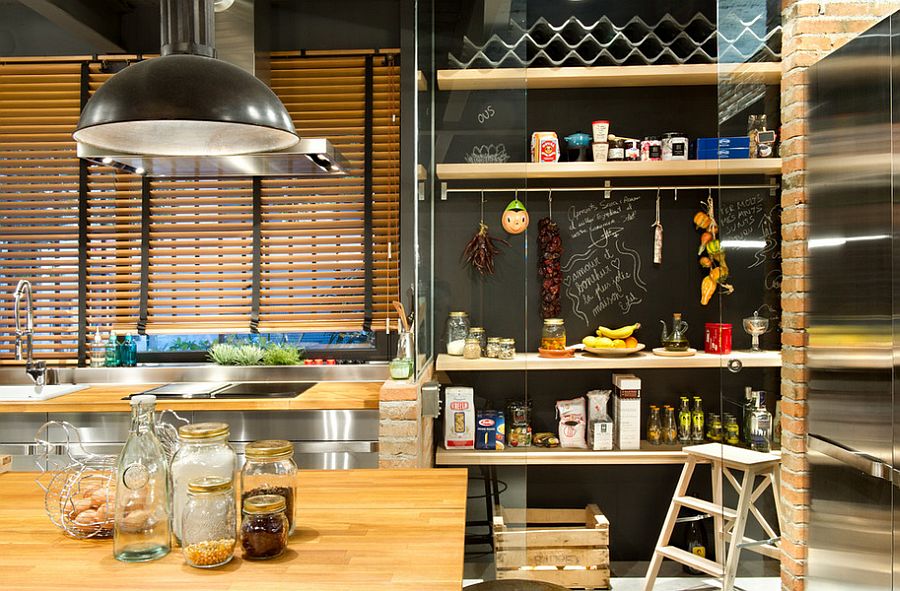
[[211, 390]]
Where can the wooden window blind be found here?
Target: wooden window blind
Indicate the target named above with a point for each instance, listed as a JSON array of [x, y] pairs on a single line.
[[39, 186]]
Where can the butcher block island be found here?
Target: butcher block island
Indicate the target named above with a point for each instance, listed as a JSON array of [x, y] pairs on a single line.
[[369, 530]]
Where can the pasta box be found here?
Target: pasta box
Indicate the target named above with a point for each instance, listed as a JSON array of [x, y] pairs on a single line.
[[723, 148], [490, 430], [459, 417]]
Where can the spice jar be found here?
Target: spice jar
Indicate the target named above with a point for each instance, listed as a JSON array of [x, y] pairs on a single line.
[[553, 334], [457, 331], [208, 522], [507, 349], [476, 332], [264, 530], [472, 350], [632, 150], [270, 470], [493, 347], [651, 148], [616, 150], [674, 146], [203, 451]]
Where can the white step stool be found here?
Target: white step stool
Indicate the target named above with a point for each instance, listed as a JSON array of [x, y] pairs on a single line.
[[729, 523]]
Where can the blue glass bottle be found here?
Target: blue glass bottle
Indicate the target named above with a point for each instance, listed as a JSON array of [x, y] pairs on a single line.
[[112, 351]]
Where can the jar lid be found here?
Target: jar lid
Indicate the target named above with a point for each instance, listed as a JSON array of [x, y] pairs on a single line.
[[459, 314], [553, 321], [198, 431], [264, 504], [651, 138], [494, 339], [477, 329], [269, 448], [632, 143], [507, 341], [473, 340], [209, 484]]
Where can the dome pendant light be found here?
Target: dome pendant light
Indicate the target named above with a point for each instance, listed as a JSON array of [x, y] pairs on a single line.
[[186, 102]]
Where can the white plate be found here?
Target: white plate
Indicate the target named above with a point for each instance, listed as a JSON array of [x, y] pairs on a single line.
[[663, 353], [33, 394], [613, 351]]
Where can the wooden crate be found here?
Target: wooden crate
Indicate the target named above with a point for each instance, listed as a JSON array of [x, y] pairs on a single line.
[[569, 547]]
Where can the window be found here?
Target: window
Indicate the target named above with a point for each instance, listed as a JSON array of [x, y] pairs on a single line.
[[195, 237]]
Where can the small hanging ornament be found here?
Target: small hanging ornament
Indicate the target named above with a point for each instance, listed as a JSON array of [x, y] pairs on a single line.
[[657, 235], [515, 217]]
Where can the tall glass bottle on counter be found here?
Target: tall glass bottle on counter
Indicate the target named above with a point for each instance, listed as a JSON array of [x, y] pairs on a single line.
[[684, 422], [141, 526]]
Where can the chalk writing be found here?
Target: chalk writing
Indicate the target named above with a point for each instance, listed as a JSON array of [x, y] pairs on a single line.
[[607, 273], [770, 224], [487, 154], [739, 220]]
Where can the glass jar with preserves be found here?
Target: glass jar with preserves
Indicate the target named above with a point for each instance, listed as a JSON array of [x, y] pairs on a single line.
[[476, 332], [203, 450], [518, 428], [270, 470], [632, 150], [616, 151], [264, 529], [209, 522], [457, 331], [651, 148], [493, 347], [507, 349], [553, 334], [472, 349]]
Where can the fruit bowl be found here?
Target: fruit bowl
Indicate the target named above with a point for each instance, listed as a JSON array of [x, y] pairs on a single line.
[[615, 351]]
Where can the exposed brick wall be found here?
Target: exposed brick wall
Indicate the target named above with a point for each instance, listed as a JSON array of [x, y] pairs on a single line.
[[404, 435], [812, 29]]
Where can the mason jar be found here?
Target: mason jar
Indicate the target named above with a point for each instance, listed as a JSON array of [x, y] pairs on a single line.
[[477, 332], [493, 347], [507, 349], [203, 450], [209, 522], [270, 470], [553, 334], [264, 528], [457, 331]]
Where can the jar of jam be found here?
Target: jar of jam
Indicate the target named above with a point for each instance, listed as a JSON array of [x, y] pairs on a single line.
[[651, 149], [616, 150], [493, 347], [553, 334], [264, 530], [632, 150]]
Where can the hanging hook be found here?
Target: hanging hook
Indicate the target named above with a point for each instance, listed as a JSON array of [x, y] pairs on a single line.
[[657, 222], [676, 194], [550, 202], [482, 207]]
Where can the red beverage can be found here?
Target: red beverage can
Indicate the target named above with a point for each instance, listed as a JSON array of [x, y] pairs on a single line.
[[718, 338]]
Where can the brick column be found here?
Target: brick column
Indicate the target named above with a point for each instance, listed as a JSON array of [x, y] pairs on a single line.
[[812, 29], [405, 437]]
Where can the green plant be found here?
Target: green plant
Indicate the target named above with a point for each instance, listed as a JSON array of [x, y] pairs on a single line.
[[283, 354], [249, 355], [224, 353], [180, 344]]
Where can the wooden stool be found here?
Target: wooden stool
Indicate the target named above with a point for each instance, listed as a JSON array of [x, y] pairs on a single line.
[[729, 523]]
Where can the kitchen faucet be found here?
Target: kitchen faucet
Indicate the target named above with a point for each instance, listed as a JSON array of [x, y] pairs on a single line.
[[36, 369]]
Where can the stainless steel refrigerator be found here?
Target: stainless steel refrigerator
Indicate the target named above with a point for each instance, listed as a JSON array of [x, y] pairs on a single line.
[[855, 301]]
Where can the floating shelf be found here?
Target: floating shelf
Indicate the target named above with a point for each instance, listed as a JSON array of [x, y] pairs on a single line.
[[610, 76], [517, 456], [532, 362], [581, 170]]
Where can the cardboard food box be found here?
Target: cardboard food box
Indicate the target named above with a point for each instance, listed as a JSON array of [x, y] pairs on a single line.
[[627, 411], [459, 418], [601, 435], [490, 430]]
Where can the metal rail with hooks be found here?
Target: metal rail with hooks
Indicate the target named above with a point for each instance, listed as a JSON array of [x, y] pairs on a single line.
[[772, 187]]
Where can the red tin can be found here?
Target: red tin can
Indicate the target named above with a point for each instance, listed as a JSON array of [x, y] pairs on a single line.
[[718, 338]]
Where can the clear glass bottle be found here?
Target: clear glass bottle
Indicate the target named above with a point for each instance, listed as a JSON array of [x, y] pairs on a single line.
[[98, 350], [402, 365], [697, 421], [476, 332], [111, 359], [749, 407], [208, 522], [684, 421], [264, 528], [142, 521], [553, 334], [669, 427], [457, 331], [732, 430], [760, 425], [270, 470], [654, 427], [203, 450]]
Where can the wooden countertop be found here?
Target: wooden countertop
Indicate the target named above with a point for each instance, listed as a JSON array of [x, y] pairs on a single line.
[[108, 398], [366, 530]]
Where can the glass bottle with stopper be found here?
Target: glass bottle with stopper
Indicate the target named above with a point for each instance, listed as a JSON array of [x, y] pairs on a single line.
[[676, 339]]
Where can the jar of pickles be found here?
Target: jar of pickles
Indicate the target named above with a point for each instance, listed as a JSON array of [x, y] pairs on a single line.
[[507, 349], [553, 335], [472, 350], [476, 332], [493, 348], [457, 331]]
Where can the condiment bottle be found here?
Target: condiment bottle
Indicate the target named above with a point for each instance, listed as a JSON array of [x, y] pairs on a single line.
[[697, 421], [98, 350], [264, 528], [684, 422], [669, 429], [111, 359], [654, 428]]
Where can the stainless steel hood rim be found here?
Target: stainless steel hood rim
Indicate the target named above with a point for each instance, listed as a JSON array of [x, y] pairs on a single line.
[[185, 88]]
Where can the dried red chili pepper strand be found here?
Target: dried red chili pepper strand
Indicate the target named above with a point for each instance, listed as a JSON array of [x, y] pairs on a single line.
[[550, 267]]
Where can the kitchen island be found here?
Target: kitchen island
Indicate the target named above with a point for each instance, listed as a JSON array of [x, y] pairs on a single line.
[[369, 530]]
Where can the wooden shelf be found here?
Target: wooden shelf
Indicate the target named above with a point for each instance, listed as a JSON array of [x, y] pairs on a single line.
[[518, 456], [581, 170], [532, 362], [610, 76], [421, 82]]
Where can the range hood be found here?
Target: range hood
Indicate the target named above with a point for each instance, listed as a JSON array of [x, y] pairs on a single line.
[[188, 114]]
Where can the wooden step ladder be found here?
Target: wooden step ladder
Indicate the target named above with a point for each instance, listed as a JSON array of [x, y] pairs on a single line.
[[729, 524]]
